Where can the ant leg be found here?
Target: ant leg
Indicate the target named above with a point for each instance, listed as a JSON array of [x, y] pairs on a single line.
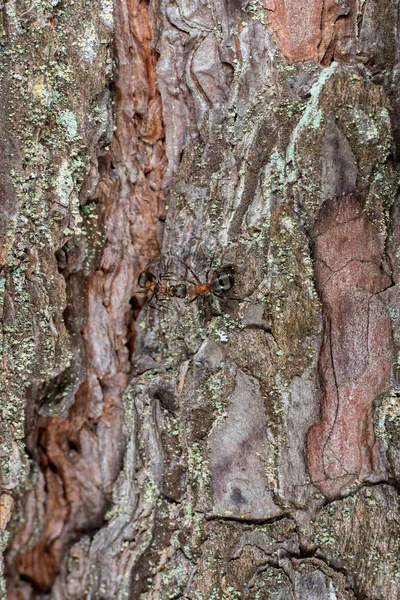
[[155, 261], [157, 306], [228, 297], [160, 309], [210, 267], [162, 305], [170, 277], [189, 269]]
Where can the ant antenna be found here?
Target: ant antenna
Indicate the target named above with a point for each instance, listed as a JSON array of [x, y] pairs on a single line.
[[189, 269]]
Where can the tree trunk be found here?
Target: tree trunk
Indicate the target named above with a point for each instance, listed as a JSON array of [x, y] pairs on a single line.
[[246, 444]]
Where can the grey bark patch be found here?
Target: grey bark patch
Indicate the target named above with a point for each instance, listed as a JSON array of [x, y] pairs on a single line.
[[301, 413], [211, 355], [339, 167], [265, 541], [9, 158], [213, 76], [59, 392], [313, 586], [253, 317], [271, 584], [239, 448]]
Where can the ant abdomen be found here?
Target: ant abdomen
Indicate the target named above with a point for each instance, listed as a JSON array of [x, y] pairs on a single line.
[[222, 282], [144, 278]]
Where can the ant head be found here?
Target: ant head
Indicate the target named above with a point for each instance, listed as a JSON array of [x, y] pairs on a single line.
[[144, 278], [222, 282], [180, 290]]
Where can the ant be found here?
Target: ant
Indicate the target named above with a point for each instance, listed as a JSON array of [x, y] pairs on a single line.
[[219, 284], [148, 281]]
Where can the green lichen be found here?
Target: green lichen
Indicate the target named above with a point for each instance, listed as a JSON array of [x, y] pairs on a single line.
[[39, 78], [68, 120], [198, 466], [312, 116]]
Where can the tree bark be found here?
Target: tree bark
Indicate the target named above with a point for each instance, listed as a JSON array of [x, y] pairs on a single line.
[[244, 445]]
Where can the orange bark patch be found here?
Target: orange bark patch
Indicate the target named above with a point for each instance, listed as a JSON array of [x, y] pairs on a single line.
[[305, 29]]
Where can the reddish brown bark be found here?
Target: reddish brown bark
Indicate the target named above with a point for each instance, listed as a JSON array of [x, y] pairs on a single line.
[[356, 355], [313, 30], [80, 457]]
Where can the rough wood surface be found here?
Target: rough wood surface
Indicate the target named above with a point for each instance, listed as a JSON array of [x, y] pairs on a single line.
[[240, 447]]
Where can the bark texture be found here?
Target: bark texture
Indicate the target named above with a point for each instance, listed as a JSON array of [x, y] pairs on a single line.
[[239, 447]]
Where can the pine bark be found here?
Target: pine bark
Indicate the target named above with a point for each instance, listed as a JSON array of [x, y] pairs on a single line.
[[243, 445]]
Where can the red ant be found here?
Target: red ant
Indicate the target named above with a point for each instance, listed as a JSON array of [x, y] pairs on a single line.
[[148, 281], [219, 284]]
